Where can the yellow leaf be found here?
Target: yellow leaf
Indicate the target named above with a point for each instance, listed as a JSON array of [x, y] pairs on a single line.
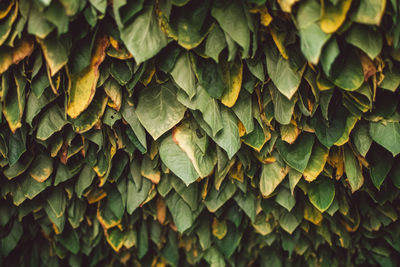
[[333, 16], [289, 133], [279, 39], [161, 210], [316, 163], [219, 228], [286, 5], [83, 84], [233, 74], [4, 10], [313, 215]]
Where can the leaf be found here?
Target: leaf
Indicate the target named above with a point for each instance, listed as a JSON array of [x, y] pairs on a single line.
[[369, 12], [129, 114], [19, 167], [183, 74], [114, 92], [329, 54], [329, 134], [321, 193], [190, 139], [298, 154], [92, 115], [387, 135], [83, 84], [380, 162], [177, 161], [228, 138], [316, 162], [231, 17], [55, 51], [52, 121], [312, 38], [256, 139], [180, 211], [353, 170], [143, 36], [217, 198], [41, 168], [136, 194], [215, 43], [366, 39], [208, 106], [243, 109], [190, 23], [283, 107], [116, 238], [14, 104], [232, 73], [158, 109], [272, 175], [209, 76], [334, 15], [34, 104], [361, 138], [279, 70], [85, 179], [37, 23]]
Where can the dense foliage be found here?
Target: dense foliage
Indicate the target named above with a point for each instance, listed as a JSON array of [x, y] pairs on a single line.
[[196, 132]]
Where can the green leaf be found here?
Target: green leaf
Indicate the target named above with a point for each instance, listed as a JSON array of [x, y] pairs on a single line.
[[209, 76], [387, 135], [129, 114], [183, 74], [380, 162], [283, 107], [329, 54], [190, 23], [37, 23], [56, 51], [84, 180], [144, 37], [272, 174], [353, 170], [247, 202], [35, 104], [136, 193], [282, 75], [231, 17], [19, 167], [217, 198], [194, 143], [366, 39], [10, 241], [177, 161], [369, 12], [298, 154], [208, 106], [321, 193], [243, 109], [348, 73], [312, 38], [361, 138], [215, 43], [41, 168], [329, 134], [158, 109], [180, 211], [53, 120], [228, 138]]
